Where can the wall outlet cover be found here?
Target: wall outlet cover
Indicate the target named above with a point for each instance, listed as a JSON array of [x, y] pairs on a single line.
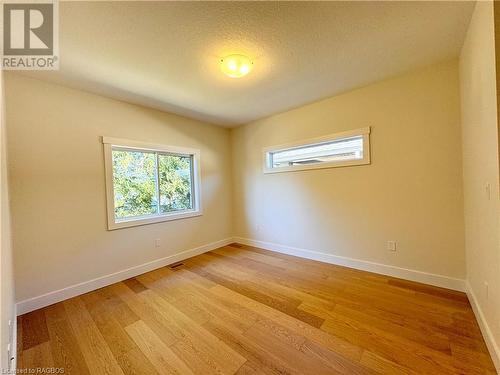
[[391, 245]]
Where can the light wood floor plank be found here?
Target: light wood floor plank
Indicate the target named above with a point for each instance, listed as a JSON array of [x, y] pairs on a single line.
[[147, 313], [161, 357], [98, 355], [330, 341], [383, 365], [243, 310], [66, 351], [115, 336], [38, 357], [259, 358], [134, 362], [195, 342]]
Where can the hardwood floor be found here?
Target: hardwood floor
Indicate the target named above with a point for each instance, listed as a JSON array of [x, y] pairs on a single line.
[[243, 310]]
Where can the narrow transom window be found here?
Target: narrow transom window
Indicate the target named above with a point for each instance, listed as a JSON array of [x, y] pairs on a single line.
[[335, 150], [148, 183]]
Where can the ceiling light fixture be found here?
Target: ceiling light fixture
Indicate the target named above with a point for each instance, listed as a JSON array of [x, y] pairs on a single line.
[[236, 66]]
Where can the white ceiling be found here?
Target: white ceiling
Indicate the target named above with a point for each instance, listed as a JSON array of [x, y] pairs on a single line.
[[165, 54]]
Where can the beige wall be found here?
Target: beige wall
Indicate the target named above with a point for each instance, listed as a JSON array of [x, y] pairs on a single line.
[[7, 311], [480, 158], [57, 185], [411, 193], [415, 198]]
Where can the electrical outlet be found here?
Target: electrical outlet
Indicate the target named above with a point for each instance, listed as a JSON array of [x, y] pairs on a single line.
[[391, 245], [157, 242], [487, 188]]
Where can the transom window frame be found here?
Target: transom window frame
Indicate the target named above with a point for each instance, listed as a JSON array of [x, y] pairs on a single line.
[[363, 132], [110, 143]]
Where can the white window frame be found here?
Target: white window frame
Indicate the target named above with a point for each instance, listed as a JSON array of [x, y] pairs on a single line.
[[364, 132], [113, 223]]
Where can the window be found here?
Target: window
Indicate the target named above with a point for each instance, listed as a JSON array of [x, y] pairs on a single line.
[[147, 183], [336, 150]]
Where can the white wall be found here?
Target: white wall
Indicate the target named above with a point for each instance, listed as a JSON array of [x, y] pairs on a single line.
[[7, 311], [411, 193], [480, 159], [57, 186]]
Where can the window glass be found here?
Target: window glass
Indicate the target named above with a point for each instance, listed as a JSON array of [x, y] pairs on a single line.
[[175, 182], [341, 149], [134, 183]]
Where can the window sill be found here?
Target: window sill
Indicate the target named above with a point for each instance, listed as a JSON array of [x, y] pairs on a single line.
[[134, 222], [335, 164]]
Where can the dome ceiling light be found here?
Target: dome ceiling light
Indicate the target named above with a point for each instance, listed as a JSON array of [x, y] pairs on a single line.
[[236, 66]]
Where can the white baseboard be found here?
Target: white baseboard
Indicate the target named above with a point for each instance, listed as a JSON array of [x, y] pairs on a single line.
[[384, 269], [485, 328], [50, 298]]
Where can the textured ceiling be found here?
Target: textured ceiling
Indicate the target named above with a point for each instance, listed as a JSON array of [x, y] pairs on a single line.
[[165, 54]]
